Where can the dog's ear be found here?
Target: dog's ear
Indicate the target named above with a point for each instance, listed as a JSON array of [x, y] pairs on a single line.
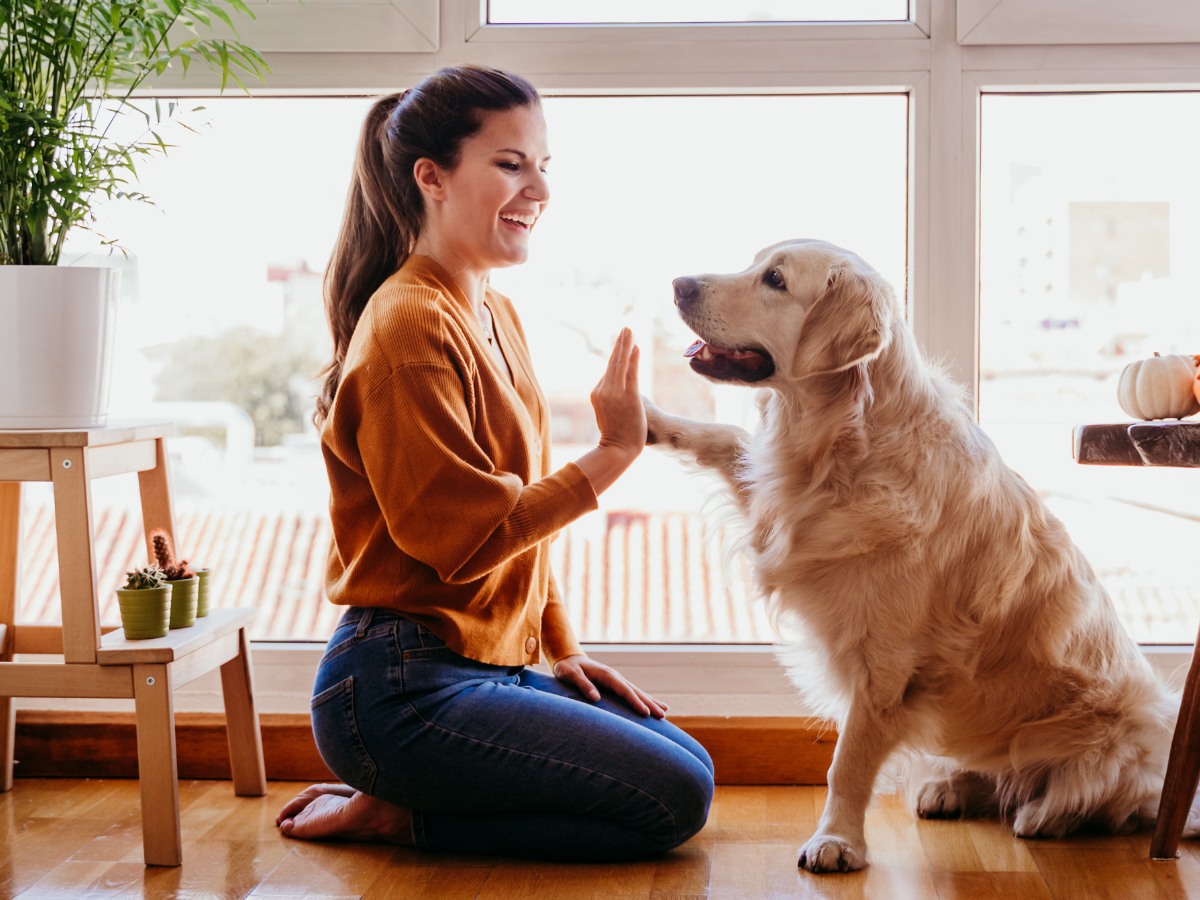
[[850, 323]]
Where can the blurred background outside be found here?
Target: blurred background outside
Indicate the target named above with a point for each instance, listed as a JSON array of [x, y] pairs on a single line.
[[1089, 206]]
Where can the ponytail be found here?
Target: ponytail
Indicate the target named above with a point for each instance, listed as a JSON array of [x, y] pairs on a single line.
[[375, 238]]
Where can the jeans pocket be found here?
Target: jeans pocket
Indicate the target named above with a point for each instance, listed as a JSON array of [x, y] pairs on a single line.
[[339, 741]]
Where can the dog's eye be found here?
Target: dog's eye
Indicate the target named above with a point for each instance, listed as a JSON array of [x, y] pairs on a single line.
[[774, 278]]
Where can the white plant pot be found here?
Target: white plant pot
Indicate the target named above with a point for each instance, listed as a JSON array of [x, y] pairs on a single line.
[[57, 326]]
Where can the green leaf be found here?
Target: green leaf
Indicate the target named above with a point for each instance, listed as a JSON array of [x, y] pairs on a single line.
[[69, 73]]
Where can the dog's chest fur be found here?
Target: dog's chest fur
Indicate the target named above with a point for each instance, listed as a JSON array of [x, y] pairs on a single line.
[[837, 519]]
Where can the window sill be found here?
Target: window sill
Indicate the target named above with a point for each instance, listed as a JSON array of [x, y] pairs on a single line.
[[694, 680]]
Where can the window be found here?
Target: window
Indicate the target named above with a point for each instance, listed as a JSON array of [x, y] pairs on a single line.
[[222, 329], [1090, 210], [939, 64], [646, 189], [509, 12]]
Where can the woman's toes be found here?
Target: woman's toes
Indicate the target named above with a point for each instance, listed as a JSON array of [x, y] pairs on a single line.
[[307, 796]]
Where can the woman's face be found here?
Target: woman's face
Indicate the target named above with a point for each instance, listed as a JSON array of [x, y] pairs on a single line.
[[494, 196]]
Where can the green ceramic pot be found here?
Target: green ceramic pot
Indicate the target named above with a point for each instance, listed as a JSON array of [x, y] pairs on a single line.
[[145, 613], [183, 601], [202, 593]]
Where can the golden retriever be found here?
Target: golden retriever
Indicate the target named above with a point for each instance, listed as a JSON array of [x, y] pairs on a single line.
[[931, 602]]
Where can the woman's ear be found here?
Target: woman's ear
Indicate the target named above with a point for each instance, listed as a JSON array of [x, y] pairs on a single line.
[[428, 176]]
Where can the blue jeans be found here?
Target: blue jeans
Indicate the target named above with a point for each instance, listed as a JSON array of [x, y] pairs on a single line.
[[496, 759]]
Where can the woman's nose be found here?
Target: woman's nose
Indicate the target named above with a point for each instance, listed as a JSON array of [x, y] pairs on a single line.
[[539, 187]]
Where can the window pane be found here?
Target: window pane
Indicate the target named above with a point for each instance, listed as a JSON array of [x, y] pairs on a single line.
[[596, 12], [644, 190], [1090, 215], [221, 329]]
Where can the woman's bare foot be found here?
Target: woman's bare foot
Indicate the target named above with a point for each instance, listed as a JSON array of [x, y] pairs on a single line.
[[308, 795], [339, 812]]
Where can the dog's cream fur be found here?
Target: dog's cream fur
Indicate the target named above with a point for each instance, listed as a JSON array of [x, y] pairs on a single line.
[[938, 606]]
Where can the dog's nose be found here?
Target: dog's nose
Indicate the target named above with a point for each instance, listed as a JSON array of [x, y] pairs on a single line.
[[687, 290]]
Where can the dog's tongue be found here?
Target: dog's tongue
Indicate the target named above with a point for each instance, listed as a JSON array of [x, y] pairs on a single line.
[[709, 352]]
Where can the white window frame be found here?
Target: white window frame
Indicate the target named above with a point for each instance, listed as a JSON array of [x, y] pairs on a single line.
[[944, 66], [479, 29]]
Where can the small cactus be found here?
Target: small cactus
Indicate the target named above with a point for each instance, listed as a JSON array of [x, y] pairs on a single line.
[[164, 553], [146, 577]]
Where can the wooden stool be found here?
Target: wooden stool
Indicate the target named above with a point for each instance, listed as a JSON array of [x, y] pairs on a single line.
[[111, 666]]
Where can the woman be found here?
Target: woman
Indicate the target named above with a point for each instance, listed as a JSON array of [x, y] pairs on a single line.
[[436, 441]]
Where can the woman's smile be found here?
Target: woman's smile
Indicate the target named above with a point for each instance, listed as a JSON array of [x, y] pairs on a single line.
[[521, 221]]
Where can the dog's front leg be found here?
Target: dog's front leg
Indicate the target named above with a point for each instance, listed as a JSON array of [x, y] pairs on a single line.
[[866, 740], [709, 445]]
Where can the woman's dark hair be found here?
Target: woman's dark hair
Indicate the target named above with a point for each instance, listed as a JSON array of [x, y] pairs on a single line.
[[384, 209]]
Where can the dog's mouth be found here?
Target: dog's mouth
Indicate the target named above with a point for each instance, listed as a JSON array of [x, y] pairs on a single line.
[[720, 364]]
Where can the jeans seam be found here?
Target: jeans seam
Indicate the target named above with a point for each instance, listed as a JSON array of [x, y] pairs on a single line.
[[528, 753], [340, 693]]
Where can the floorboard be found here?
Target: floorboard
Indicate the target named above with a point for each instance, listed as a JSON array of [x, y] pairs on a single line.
[[77, 838]]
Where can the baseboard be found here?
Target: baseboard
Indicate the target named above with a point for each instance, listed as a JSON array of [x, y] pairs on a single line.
[[750, 750]]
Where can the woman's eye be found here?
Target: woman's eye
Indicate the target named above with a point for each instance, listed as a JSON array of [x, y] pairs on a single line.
[[774, 278], [509, 166]]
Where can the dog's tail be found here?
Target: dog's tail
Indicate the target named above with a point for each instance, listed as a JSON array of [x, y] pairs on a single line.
[[1148, 813], [1090, 768]]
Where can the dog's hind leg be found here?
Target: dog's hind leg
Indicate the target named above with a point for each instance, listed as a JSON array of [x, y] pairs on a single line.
[[866, 740]]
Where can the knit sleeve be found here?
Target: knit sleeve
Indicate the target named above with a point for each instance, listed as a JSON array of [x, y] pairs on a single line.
[[443, 500], [558, 638]]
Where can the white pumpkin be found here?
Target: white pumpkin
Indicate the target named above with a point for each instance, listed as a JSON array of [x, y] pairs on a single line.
[[1159, 387]]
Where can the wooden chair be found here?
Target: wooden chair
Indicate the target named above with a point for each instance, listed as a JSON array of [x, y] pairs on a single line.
[[1173, 444], [93, 665], [1183, 769]]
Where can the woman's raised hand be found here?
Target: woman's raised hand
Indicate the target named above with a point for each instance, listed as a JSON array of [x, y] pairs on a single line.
[[617, 401], [619, 415]]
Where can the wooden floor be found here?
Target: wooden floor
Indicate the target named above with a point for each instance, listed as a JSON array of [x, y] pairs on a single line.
[[74, 838]]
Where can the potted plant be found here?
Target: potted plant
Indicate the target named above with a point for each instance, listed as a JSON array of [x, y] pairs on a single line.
[[184, 583], [201, 592], [69, 70], [145, 603]]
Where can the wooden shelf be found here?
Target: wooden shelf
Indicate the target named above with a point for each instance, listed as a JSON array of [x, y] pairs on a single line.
[[1175, 444], [116, 649]]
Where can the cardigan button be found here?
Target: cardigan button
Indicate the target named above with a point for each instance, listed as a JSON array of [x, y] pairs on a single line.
[[531, 645]]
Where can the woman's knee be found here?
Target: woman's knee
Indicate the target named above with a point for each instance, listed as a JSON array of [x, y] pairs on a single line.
[[695, 813], [689, 803]]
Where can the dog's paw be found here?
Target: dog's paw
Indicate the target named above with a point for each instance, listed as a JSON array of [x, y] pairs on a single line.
[[1034, 821], [940, 800], [829, 853], [959, 795], [658, 427]]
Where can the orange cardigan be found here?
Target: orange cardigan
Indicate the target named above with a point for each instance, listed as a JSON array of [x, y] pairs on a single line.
[[442, 502]]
